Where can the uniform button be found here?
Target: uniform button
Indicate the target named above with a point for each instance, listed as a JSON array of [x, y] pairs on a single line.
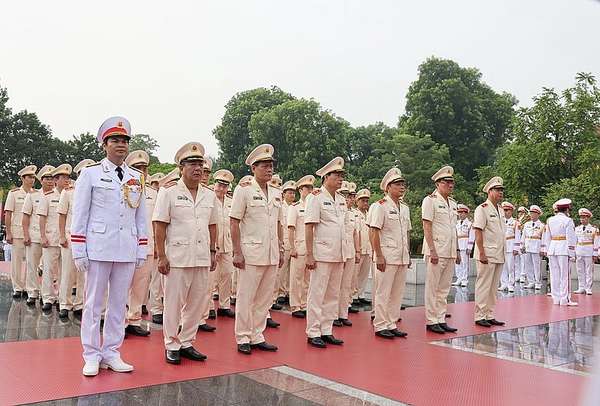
[[121, 215], [120, 228]]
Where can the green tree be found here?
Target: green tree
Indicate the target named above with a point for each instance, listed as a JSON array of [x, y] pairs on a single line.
[[83, 146], [456, 108], [160, 167], [146, 143]]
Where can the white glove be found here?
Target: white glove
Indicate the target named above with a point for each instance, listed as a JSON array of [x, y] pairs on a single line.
[[82, 264], [139, 263]]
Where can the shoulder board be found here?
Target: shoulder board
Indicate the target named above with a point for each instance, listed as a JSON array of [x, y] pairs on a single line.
[[402, 202], [381, 201], [49, 193], [432, 195], [316, 191], [14, 190], [296, 203], [170, 184], [132, 168], [206, 187], [451, 198], [244, 184], [484, 204], [96, 164]]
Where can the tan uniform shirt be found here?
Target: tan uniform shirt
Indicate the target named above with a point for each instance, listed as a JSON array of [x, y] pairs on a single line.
[[488, 219], [443, 217], [363, 233], [14, 203], [285, 211], [393, 221], [48, 207], [259, 217], [224, 243], [350, 224], [65, 206], [295, 219], [151, 196], [328, 214], [188, 239], [30, 206]]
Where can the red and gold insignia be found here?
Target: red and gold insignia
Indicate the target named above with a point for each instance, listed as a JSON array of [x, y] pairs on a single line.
[[381, 201], [133, 182], [316, 191]]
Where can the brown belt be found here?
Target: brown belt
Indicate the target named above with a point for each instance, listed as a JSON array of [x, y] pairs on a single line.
[[585, 243], [559, 238]]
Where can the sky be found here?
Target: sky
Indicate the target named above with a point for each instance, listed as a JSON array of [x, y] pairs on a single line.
[[170, 67]]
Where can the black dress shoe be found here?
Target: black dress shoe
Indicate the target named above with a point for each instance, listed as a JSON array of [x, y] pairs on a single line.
[[483, 323], [212, 315], [276, 306], [216, 296], [435, 328], [31, 301], [272, 323], [264, 346], [338, 323], [137, 331], [24, 294], [303, 311], [157, 318], [355, 302], [226, 313], [299, 314], [173, 357], [191, 353], [245, 348], [232, 300], [78, 313], [346, 322], [47, 307], [372, 317], [495, 322], [63, 314], [364, 301], [329, 339], [282, 300], [207, 328], [447, 315], [448, 328], [144, 310], [385, 334], [17, 294], [57, 305], [317, 342], [398, 333], [352, 309]]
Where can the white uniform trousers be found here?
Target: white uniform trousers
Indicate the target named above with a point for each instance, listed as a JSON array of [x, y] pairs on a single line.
[[17, 272], [560, 279], [462, 270], [186, 291], [361, 275], [70, 278], [51, 260], [323, 298], [116, 278], [521, 266], [156, 291], [256, 284], [585, 272], [437, 286], [488, 276], [507, 279], [223, 278], [138, 292], [34, 254], [390, 292], [299, 279], [531, 263]]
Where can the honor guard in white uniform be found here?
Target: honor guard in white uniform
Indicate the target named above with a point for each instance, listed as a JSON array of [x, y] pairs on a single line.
[[140, 284], [390, 229], [69, 276], [326, 252], [363, 269], [257, 237], [440, 249], [50, 236], [282, 287], [299, 274], [33, 237], [224, 178], [466, 239], [522, 217], [13, 215], [108, 241], [512, 247], [490, 240], [185, 219], [559, 243], [531, 248], [586, 251]]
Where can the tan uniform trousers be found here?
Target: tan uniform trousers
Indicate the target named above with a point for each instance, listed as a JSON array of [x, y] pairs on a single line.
[[282, 288], [346, 288], [34, 255], [254, 297], [374, 282], [223, 273], [17, 272], [389, 294], [486, 284], [156, 291], [209, 304], [323, 298], [437, 286], [234, 282], [361, 274], [299, 279], [186, 290], [138, 292], [70, 278], [51, 260]]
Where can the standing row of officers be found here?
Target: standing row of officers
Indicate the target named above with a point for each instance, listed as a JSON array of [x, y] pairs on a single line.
[[172, 242]]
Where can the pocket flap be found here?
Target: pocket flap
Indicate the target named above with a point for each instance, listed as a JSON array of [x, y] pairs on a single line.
[[98, 227]]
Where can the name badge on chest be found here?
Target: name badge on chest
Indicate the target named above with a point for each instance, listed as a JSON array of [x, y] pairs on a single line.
[[257, 198], [105, 180]]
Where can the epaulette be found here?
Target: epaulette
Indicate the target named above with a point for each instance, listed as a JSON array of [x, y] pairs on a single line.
[[432, 194], [316, 191], [296, 203], [402, 202], [14, 190], [381, 201], [451, 198], [49, 193], [245, 184], [484, 204], [96, 164], [170, 184]]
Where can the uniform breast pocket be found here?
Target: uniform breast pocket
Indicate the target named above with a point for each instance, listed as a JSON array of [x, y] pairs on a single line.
[[102, 192], [184, 209], [257, 206]]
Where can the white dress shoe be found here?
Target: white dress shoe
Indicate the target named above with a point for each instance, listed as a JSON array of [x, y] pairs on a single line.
[[572, 304], [538, 286], [116, 365], [464, 284], [91, 368], [456, 283], [588, 292], [530, 286], [579, 291]]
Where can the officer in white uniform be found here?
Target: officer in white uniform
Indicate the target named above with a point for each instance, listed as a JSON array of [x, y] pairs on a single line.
[[522, 217], [108, 241], [512, 247], [559, 241], [13, 215], [466, 239], [531, 248], [586, 251]]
